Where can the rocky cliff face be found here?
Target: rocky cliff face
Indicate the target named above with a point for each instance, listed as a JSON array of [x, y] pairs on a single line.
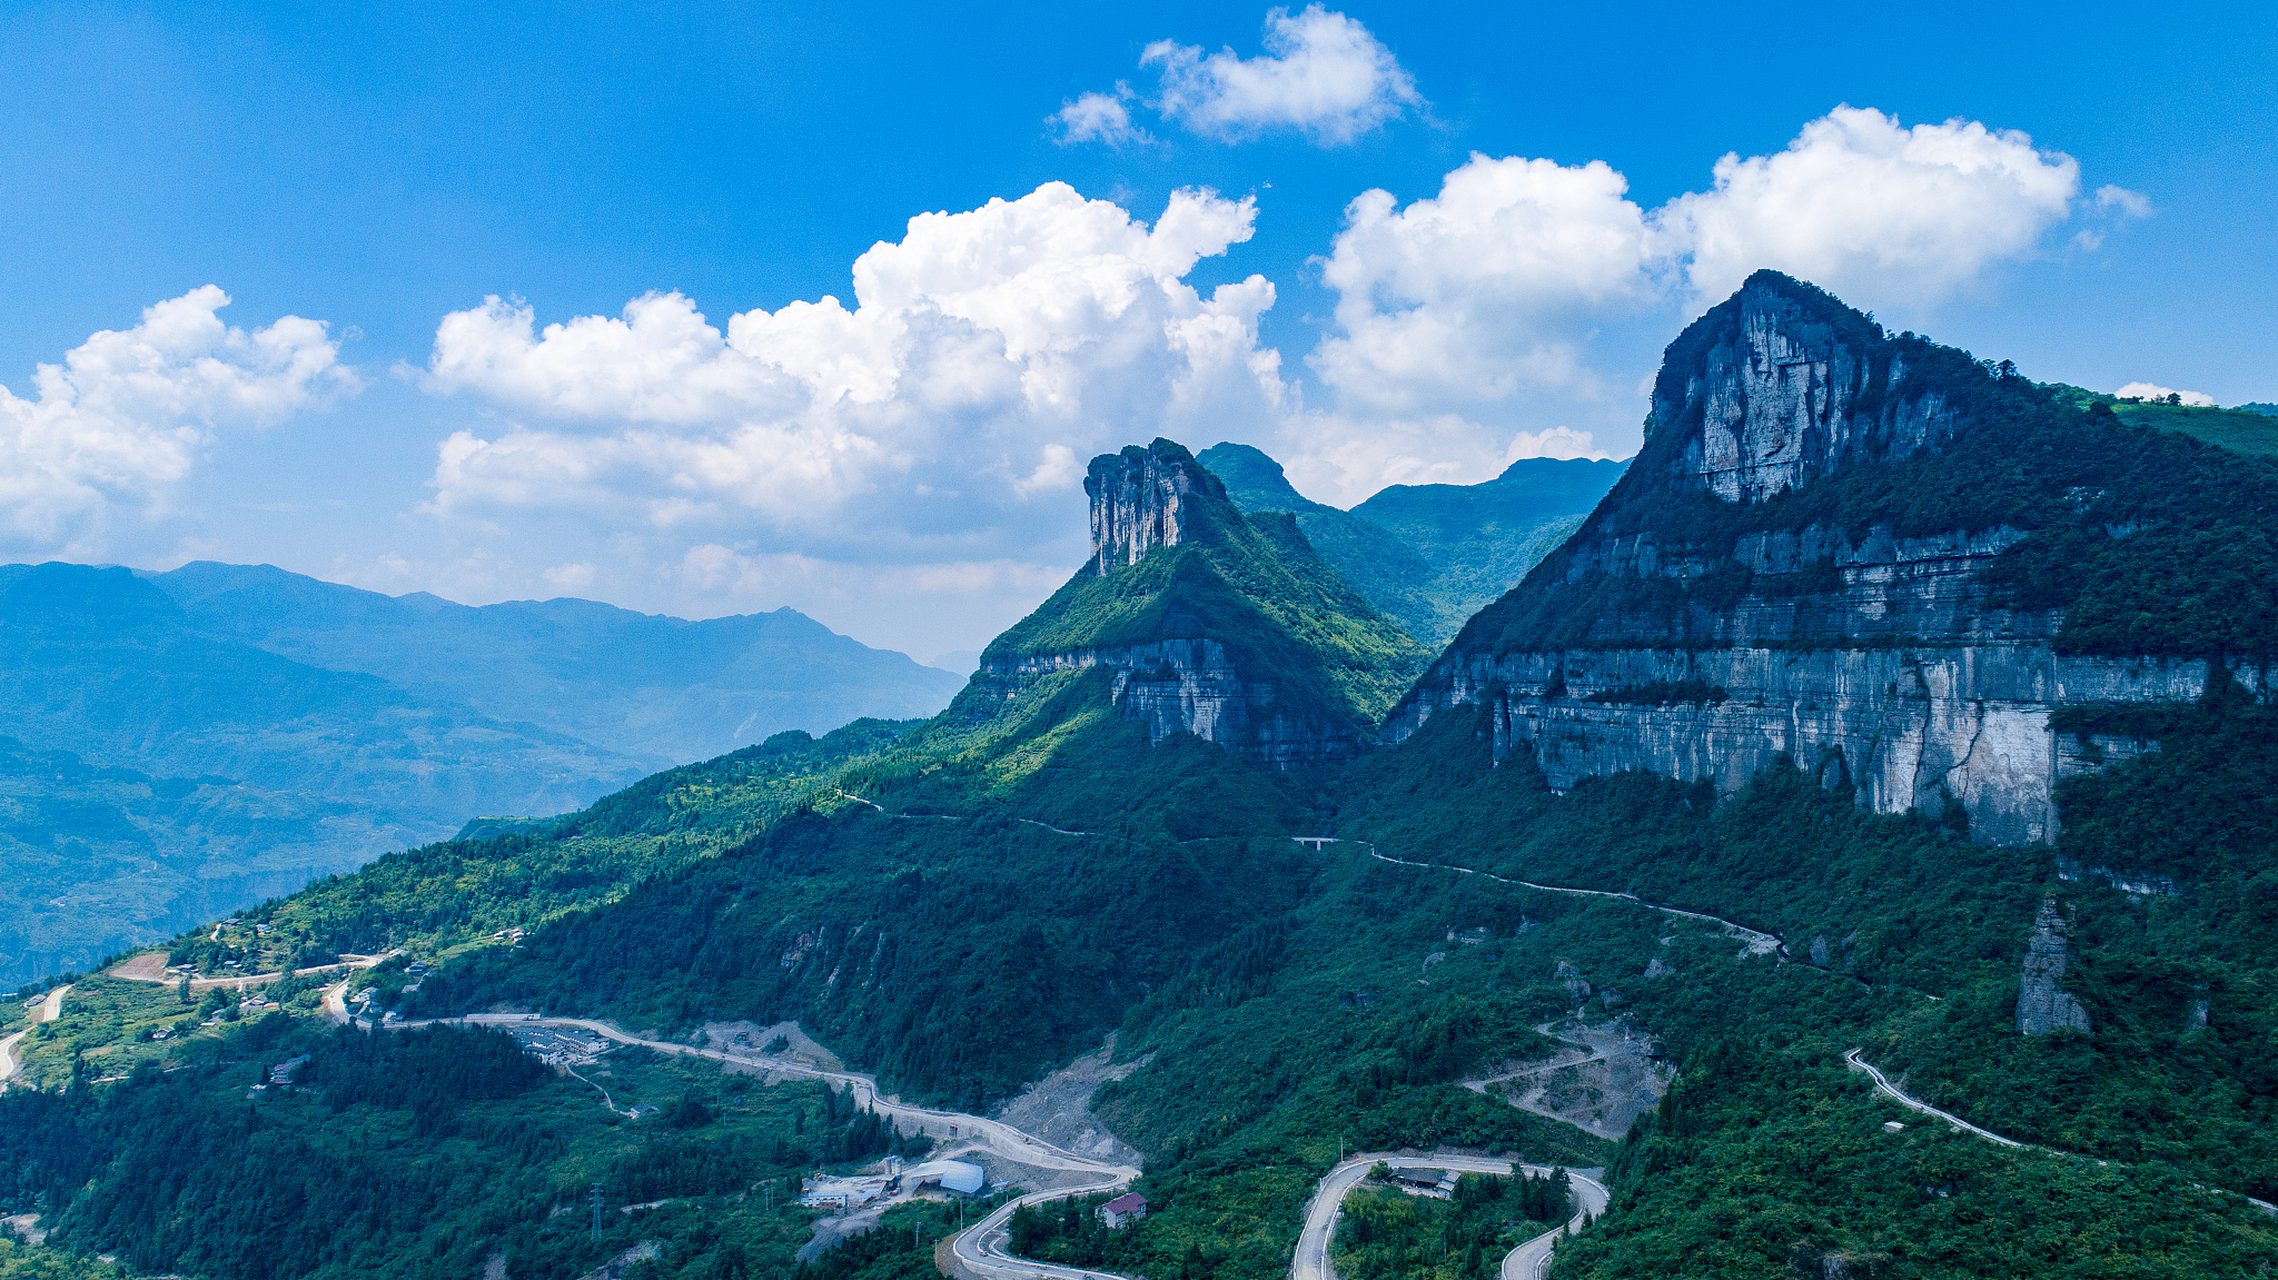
[[1207, 622], [1758, 587], [2043, 1005], [1191, 686], [1139, 499]]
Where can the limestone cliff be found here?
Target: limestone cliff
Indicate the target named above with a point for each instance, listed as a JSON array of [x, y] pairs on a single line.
[[1847, 548], [1199, 619], [2043, 1005]]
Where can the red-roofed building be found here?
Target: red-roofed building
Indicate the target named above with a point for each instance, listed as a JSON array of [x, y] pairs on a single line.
[[1128, 1207]]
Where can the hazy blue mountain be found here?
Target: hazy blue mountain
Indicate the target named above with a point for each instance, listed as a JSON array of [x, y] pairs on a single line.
[[190, 742], [1430, 555], [662, 690]]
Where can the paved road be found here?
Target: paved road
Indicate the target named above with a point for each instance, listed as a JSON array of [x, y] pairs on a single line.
[[1527, 1262], [983, 1249], [1001, 1138], [1907, 1100]]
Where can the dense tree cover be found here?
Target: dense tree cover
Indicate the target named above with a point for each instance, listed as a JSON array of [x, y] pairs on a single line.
[[1768, 1160], [1428, 556], [446, 895], [417, 1154], [963, 908], [1389, 1233], [20, 1261], [2177, 982]]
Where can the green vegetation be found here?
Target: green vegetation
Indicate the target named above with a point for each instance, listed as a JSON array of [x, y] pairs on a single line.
[[1390, 1233], [1252, 585], [419, 1154], [1428, 556], [2153, 542], [1768, 1160], [962, 907]]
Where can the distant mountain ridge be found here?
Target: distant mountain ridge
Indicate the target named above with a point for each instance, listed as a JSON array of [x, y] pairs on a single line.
[[1430, 555], [220, 733], [659, 689]]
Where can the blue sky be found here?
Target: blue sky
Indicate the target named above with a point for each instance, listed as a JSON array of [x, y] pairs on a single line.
[[908, 473]]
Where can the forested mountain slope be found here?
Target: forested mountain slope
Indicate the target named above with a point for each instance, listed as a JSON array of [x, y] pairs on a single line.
[[965, 905], [1236, 632], [230, 732], [268, 771], [1429, 556]]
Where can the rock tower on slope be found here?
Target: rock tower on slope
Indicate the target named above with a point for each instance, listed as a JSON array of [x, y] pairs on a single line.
[[1873, 556], [1190, 617]]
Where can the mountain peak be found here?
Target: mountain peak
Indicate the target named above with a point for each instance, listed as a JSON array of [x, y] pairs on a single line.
[[1142, 498], [1782, 384], [1254, 480], [1195, 618]]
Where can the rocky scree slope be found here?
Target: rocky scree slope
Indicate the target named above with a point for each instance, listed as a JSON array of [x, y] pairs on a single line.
[[1882, 559], [1200, 620]]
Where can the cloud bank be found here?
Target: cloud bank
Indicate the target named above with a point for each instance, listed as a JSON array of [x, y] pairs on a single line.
[[1462, 306], [904, 443], [2155, 392], [987, 355], [122, 422]]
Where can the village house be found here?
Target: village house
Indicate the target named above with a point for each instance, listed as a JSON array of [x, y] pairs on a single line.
[[1128, 1207]]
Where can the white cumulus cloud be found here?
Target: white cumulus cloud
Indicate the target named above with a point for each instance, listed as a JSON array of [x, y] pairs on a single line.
[[1323, 75], [123, 420], [1470, 314], [1863, 206], [1097, 117], [2153, 391], [988, 352]]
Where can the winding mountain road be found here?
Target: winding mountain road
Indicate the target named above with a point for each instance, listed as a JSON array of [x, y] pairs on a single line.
[[982, 1247], [1527, 1262]]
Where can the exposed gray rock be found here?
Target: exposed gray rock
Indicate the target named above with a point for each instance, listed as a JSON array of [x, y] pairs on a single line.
[[1819, 955], [1189, 686], [1137, 500], [1655, 969], [1876, 662], [1576, 985], [2043, 1005]]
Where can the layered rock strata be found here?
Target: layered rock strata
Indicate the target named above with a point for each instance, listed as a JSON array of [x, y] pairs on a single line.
[[1191, 686], [1210, 623], [1878, 661]]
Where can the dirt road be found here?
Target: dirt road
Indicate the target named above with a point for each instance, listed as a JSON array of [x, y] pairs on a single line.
[[48, 1011]]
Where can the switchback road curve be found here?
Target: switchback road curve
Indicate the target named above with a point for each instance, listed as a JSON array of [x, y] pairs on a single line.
[[1527, 1262]]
